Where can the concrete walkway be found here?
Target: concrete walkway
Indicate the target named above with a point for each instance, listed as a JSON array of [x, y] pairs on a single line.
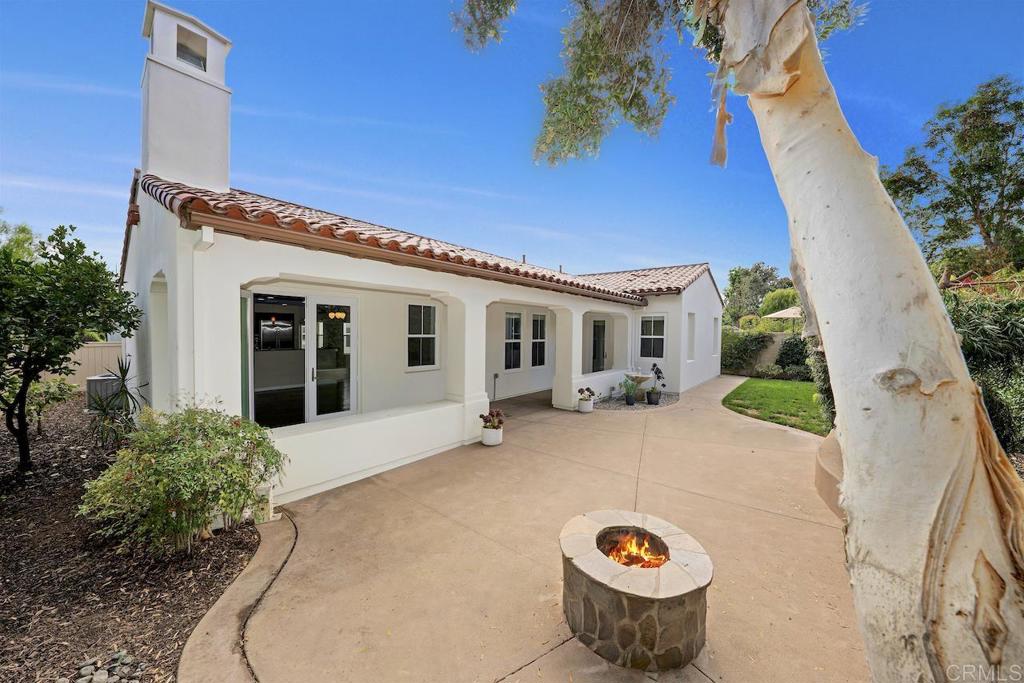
[[448, 569]]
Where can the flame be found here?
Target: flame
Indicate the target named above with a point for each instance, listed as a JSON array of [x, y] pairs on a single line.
[[635, 551]]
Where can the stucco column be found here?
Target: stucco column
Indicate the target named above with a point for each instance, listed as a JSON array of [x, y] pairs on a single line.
[[465, 360], [620, 333], [568, 357]]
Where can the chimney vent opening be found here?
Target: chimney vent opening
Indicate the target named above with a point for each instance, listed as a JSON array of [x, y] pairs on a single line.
[[191, 48]]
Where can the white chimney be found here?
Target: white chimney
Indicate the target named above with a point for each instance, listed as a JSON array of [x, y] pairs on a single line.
[[186, 108]]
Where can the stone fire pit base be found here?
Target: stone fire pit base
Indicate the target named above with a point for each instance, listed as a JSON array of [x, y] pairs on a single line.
[[642, 618]]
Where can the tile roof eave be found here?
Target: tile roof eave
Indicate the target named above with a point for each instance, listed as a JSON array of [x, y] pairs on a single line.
[[193, 209]]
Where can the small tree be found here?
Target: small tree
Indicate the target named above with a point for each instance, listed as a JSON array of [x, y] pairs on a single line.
[[747, 288], [779, 300], [962, 191], [51, 296]]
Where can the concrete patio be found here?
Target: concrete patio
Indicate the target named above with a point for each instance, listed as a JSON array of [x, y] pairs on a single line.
[[448, 569]]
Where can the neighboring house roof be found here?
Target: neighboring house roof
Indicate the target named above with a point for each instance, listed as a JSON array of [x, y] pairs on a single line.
[[254, 215], [661, 280]]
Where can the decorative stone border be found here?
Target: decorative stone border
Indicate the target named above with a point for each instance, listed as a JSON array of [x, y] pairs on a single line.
[[651, 619]]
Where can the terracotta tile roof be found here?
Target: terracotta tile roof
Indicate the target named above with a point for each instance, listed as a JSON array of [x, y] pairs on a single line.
[[662, 280], [190, 203]]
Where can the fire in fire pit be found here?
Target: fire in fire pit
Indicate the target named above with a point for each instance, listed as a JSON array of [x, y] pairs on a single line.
[[633, 547]]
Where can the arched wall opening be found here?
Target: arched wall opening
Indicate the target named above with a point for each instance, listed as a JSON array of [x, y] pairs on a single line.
[[158, 345]]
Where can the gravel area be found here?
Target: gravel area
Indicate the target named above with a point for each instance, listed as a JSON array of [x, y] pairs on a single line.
[[667, 399], [68, 598]]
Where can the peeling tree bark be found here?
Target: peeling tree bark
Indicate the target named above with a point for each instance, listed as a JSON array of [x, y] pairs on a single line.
[[934, 542]]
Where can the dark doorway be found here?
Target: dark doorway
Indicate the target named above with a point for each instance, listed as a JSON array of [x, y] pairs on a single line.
[[599, 347]]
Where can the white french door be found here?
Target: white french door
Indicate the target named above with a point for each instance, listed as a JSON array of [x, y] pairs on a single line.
[[302, 365], [330, 357]]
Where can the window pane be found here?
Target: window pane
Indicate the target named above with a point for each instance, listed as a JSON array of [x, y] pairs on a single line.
[[512, 351], [658, 348], [659, 327], [333, 361], [513, 326], [415, 319], [427, 351], [646, 345], [428, 320], [414, 351], [646, 325], [539, 327], [537, 353]]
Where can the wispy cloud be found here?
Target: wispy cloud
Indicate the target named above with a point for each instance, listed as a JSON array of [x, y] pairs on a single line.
[[303, 184], [31, 81], [63, 186], [410, 183], [333, 120]]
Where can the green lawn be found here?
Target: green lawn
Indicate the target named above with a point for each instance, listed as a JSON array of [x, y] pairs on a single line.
[[779, 401]]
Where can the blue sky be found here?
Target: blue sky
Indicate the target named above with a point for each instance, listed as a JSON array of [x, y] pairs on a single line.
[[377, 111]]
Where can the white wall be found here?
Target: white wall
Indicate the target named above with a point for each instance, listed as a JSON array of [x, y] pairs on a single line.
[[185, 111], [526, 379], [701, 299], [669, 306]]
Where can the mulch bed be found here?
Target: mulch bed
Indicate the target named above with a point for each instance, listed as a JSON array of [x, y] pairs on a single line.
[[67, 596]]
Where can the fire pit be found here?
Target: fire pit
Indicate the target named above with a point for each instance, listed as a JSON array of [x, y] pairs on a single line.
[[634, 588]]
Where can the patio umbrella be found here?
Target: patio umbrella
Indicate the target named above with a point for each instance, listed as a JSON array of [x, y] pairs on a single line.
[[792, 313]]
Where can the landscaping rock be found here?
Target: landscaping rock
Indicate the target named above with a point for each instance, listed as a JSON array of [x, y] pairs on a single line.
[[100, 676], [86, 670]]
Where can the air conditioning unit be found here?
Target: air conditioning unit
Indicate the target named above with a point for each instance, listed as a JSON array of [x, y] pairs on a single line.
[[99, 389]]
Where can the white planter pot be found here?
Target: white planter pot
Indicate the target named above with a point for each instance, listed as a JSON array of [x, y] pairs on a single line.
[[491, 437], [586, 406]]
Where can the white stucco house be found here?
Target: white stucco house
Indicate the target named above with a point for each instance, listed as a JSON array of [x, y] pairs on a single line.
[[361, 346]]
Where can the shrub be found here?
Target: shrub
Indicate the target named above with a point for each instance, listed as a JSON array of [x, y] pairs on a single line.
[[114, 415], [740, 349], [749, 322], [819, 374], [991, 328], [176, 473], [798, 373], [1003, 392], [769, 372], [44, 395], [792, 351]]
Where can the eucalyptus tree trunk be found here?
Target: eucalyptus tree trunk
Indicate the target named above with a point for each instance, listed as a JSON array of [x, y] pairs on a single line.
[[934, 537]]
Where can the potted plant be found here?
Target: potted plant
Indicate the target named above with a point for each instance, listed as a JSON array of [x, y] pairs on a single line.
[[629, 388], [654, 393], [492, 431], [586, 402]]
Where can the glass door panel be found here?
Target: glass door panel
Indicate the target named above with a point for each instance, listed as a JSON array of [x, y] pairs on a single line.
[[278, 360], [332, 373]]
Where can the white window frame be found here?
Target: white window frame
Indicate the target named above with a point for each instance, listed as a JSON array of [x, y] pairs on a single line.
[[652, 336], [543, 341], [512, 340], [691, 337], [409, 334]]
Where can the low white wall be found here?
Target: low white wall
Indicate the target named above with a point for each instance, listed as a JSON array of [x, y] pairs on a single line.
[[604, 383], [323, 455]]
